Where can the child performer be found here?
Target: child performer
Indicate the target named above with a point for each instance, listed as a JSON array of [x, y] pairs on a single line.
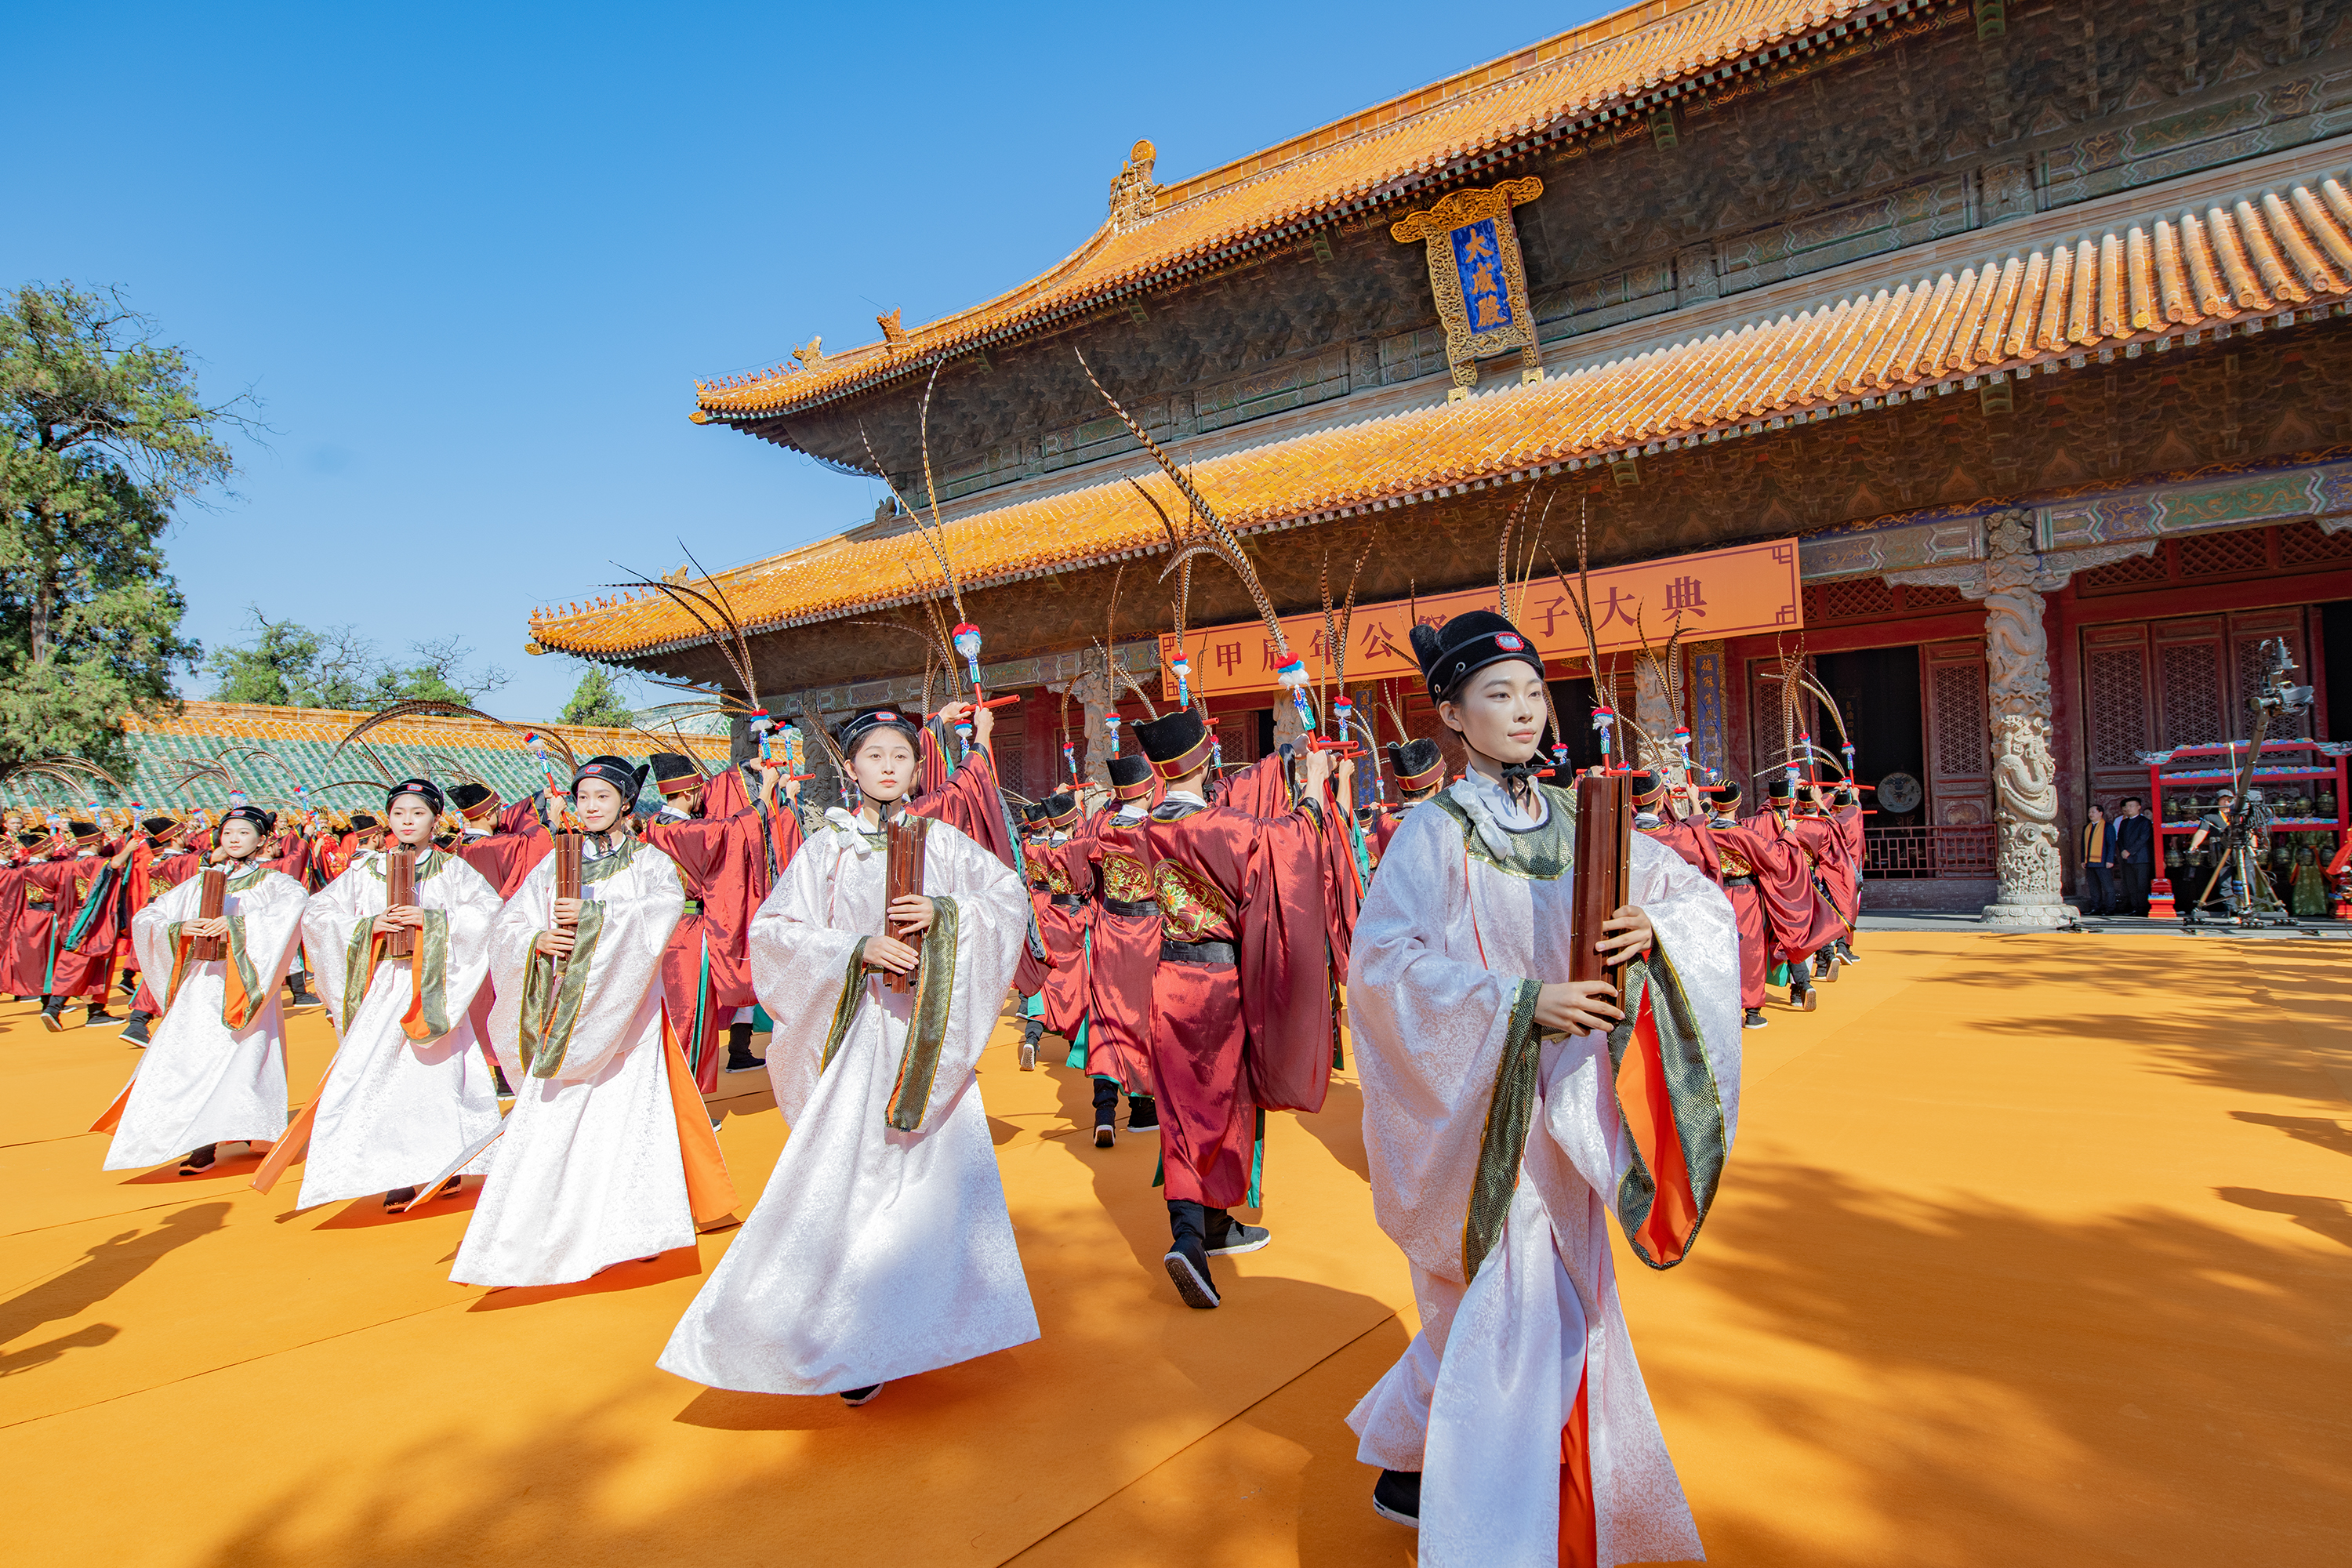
[[214, 1072], [882, 1247], [601, 1158], [408, 1091], [1510, 1116]]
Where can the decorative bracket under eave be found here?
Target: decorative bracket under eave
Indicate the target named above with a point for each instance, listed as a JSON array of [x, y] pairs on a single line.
[[1478, 278]]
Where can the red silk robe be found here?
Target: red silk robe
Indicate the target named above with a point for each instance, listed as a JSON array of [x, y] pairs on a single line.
[[1125, 954], [85, 968], [1231, 1040], [1824, 847], [1064, 879], [1728, 853], [1802, 922], [23, 930], [723, 860]]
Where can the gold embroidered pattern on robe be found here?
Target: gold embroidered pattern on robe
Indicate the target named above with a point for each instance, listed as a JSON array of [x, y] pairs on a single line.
[[1126, 881], [1190, 908]]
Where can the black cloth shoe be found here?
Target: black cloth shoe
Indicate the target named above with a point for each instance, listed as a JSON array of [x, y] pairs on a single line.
[[1800, 990], [1754, 1020], [1106, 1112], [1188, 1269], [739, 1049], [1188, 1252], [97, 1018], [1237, 1237], [50, 1007], [298, 992], [135, 1031], [198, 1160], [1397, 1496], [399, 1198], [1029, 1033], [1845, 950], [1142, 1113], [853, 1397]]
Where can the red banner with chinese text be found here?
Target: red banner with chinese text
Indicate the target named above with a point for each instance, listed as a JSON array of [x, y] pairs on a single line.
[[1740, 592]]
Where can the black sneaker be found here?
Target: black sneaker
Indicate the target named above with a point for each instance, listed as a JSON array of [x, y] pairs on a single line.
[[1142, 1113], [1187, 1268], [739, 1049], [1397, 1496], [98, 1018], [1240, 1238], [853, 1397], [1800, 993], [49, 1019], [1825, 969], [1754, 1020], [1105, 1134], [135, 1031], [198, 1160], [1845, 950]]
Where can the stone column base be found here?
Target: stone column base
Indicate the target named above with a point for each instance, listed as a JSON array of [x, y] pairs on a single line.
[[2044, 916]]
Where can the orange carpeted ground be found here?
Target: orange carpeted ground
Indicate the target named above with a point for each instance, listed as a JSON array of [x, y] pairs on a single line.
[[2033, 1250]]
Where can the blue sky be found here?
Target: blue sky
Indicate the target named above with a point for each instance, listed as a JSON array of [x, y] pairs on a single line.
[[470, 261]]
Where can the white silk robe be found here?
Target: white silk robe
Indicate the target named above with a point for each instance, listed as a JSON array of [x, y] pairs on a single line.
[[396, 1112], [875, 1253], [201, 1081], [589, 1171], [1479, 1398]]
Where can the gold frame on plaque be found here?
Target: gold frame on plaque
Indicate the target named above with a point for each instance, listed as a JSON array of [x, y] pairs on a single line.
[[1464, 345]]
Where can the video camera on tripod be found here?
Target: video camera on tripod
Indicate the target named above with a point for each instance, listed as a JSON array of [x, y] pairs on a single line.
[[2250, 900]]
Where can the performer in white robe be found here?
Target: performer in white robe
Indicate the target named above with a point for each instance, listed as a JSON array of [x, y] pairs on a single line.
[[1508, 1116], [882, 1247], [411, 1089], [214, 1072], [593, 1167]]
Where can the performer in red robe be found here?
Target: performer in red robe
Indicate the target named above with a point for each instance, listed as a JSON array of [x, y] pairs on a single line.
[[25, 917], [722, 847], [1124, 954], [1715, 841], [1241, 1001], [1845, 811], [1064, 915], [1802, 921], [1826, 853], [85, 892]]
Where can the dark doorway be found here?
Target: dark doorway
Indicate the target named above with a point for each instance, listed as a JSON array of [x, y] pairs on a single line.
[[1572, 701], [2335, 659], [1877, 689]]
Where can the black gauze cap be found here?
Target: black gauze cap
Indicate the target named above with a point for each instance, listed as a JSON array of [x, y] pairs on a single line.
[[1453, 653], [1172, 739], [157, 825], [1127, 770], [858, 725], [425, 790], [615, 771], [674, 768], [1414, 761], [466, 796], [1779, 788], [264, 820], [1726, 792], [361, 821]]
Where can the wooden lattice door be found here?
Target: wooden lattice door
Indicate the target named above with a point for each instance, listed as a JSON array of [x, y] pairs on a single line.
[[2118, 714], [1959, 733]]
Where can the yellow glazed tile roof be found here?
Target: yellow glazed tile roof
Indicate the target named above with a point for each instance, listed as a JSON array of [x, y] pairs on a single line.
[[261, 723], [1579, 80], [2284, 253]]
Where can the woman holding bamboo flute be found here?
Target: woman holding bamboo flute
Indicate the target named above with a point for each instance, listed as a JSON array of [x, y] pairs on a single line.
[[608, 1154], [882, 1247], [1513, 1110], [401, 941], [214, 1072]]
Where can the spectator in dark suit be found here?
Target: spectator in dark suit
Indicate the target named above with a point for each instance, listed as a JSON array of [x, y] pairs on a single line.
[[2098, 863], [2135, 861]]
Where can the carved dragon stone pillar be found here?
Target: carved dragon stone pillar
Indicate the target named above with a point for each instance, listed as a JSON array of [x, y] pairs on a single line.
[[2011, 583]]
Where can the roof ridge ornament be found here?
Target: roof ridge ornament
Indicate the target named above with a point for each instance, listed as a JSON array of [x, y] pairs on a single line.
[[1133, 196]]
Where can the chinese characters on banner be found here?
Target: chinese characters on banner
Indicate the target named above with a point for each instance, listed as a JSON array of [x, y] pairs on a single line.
[[1740, 592], [1479, 262]]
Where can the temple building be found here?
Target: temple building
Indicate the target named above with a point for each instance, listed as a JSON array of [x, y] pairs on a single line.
[[1985, 357]]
